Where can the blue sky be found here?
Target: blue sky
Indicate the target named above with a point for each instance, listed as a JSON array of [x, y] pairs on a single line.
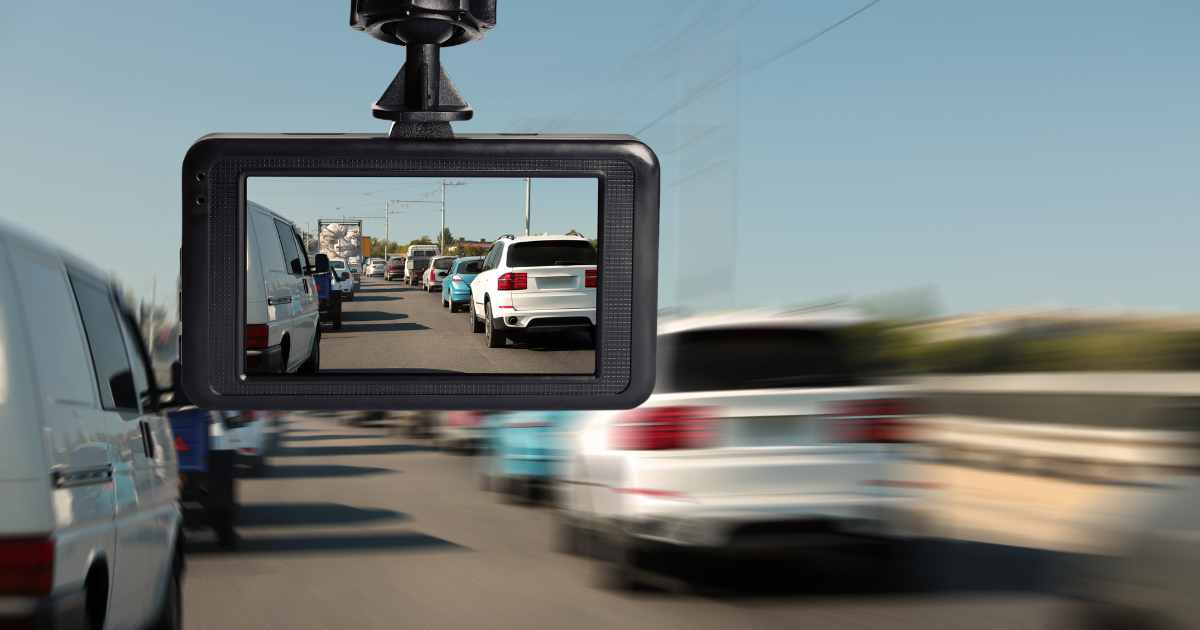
[[1005, 154]]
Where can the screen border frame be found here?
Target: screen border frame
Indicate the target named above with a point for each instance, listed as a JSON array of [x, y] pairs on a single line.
[[215, 171]]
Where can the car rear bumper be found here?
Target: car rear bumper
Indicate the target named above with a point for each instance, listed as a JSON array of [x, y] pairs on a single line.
[[769, 523], [268, 361], [546, 320], [459, 295], [63, 610]]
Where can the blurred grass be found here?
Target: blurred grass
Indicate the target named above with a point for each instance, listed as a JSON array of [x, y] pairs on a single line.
[[883, 349]]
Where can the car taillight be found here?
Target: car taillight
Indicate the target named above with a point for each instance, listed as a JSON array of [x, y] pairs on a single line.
[[26, 566], [663, 428], [456, 278], [589, 278], [513, 281], [875, 421], [257, 336]]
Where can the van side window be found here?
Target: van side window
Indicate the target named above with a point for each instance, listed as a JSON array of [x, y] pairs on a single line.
[[304, 261], [113, 374], [291, 252], [135, 347]]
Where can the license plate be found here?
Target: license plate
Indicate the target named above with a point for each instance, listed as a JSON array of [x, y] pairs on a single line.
[[556, 282], [772, 431]]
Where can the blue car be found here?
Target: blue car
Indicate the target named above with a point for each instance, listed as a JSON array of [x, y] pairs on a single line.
[[456, 288], [528, 450]]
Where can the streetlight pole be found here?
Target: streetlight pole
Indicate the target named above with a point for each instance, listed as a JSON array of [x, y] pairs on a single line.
[[442, 233], [528, 196]]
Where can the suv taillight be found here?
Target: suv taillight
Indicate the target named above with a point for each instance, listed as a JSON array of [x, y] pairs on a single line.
[[589, 278], [513, 281], [876, 421], [26, 566], [257, 336], [663, 428]]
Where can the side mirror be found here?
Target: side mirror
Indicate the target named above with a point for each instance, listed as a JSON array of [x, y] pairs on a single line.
[[322, 263], [174, 396]]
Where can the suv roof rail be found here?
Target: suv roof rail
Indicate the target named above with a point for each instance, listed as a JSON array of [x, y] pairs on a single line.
[[505, 236]]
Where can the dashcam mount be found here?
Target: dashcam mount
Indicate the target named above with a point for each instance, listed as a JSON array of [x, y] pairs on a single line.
[[421, 101]]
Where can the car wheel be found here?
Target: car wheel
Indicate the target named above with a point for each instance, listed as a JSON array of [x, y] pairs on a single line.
[[476, 325], [495, 338], [170, 616], [313, 364], [445, 303], [621, 566]]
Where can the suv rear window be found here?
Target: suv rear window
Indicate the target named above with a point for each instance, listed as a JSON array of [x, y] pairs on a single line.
[[551, 254], [443, 263], [753, 358]]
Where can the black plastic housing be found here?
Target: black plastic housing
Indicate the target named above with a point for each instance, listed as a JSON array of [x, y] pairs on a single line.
[[213, 300]]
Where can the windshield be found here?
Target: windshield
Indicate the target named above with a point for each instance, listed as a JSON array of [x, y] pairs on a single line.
[[337, 264], [753, 358], [551, 254]]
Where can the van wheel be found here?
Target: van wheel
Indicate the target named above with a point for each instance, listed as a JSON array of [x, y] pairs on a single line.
[[170, 616], [495, 338], [313, 364], [476, 325], [96, 596]]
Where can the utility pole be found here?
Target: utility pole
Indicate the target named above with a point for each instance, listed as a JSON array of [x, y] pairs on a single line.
[[528, 195], [442, 233]]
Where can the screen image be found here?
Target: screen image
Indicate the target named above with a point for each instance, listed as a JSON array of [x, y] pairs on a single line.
[[412, 275]]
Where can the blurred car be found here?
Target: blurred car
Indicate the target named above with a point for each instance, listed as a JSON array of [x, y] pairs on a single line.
[[90, 528], [375, 267], [461, 431], [534, 284], [758, 436], [395, 268], [456, 292], [282, 312], [527, 451], [343, 281], [355, 274], [1149, 578], [247, 434], [436, 272]]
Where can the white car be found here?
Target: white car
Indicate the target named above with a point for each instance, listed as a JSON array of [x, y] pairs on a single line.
[[248, 434], [90, 524], [535, 284], [282, 332], [343, 281], [758, 436], [439, 266], [375, 267]]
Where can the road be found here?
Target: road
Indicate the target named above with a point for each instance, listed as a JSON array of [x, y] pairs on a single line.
[[389, 325], [359, 528]]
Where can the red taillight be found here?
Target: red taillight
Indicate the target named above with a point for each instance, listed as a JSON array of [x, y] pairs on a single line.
[[874, 421], [513, 281], [456, 278], [663, 428], [26, 566], [464, 418], [257, 336], [590, 276]]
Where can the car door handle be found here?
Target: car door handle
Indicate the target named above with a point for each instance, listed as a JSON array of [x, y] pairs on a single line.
[[282, 300], [70, 478], [147, 439]]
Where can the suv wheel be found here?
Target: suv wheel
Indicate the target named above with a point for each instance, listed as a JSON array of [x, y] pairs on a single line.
[[495, 338], [476, 325]]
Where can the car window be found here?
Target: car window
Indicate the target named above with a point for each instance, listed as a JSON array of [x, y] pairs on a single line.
[[135, 347], [291, 253], [104, 338], [337, 264], [493, 258], [305, 263], [551, 254], [443, 263], [470, 266], [753, 358]]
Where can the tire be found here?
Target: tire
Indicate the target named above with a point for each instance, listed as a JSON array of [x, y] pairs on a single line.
[[495, 338], [227, 537], [476, 325], [170, 616], [337, 317], [313, 364], [445, 303], [621, 566]]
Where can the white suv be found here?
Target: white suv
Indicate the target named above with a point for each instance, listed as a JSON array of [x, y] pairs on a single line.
[[535, 283]]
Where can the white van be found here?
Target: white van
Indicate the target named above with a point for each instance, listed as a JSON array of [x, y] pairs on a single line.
[[418, 261], [89, 485], [282, 334]]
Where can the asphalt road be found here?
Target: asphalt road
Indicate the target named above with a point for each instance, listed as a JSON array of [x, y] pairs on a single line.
[[389, 325], [360, 528]]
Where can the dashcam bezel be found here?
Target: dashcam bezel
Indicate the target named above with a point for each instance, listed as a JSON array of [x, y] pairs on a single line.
[[215, 171]]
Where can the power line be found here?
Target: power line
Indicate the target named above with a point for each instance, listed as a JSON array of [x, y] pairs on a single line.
[[725, 76]]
